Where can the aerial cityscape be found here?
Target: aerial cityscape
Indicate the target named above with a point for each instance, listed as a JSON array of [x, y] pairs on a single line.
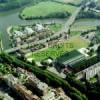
[[49, 49]]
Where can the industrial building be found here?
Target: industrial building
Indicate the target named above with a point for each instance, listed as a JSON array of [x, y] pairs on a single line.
[[70, 58]]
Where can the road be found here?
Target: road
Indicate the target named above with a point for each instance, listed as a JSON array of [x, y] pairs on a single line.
[[66, 28], [71, 20]]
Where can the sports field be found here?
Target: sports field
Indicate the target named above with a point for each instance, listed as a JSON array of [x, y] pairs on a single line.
[[47, 9], [58, 50]]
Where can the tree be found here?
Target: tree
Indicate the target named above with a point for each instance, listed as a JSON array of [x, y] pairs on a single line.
[[92, 5], [1, 45], [91, 44], [33, 62], [98, 50], [91, 52]]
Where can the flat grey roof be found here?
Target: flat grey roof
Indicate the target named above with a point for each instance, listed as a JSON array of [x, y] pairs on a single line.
[[70, 58]]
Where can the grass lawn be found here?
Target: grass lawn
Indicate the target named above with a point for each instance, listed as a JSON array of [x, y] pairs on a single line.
[[98, 1], [55, 27], [82, 28], [44, 9], [93, 80], [73, 33], [85, 24], [58, 50]]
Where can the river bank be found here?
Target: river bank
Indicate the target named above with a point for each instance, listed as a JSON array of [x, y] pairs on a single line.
[[12, 18]]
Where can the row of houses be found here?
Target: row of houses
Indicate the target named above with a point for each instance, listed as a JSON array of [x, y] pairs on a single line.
[[42, 89], [32, 88], [28, 38], [20, 89]]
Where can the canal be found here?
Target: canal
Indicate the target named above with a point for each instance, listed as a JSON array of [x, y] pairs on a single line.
[[12, 18]]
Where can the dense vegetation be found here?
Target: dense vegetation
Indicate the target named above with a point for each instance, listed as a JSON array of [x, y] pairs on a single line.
[[92, 91], [72, 2], [6, 5], [4, 69], [47, 10], [11, 4], [44, 75], [88, 14], [70, 85]]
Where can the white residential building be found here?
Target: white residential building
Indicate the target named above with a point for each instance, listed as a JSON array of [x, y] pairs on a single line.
[[29, 30], [39, 27]]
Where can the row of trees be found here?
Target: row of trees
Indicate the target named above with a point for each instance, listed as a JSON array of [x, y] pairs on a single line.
[[88, 14], [52, 15], [92, 91], [46, 76]]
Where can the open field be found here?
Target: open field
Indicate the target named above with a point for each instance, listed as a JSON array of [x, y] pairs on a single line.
[[85, 24], [58, 50], [82, 28], [45, 9], [74, 33]]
